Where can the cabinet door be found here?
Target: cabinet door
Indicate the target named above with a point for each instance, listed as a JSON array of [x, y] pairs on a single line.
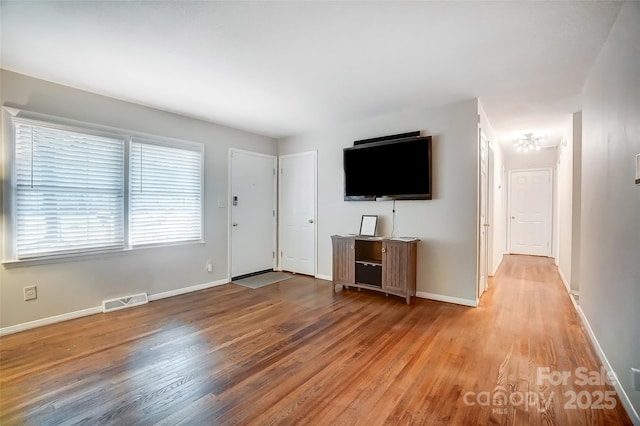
[[344, 260], [395, 262]]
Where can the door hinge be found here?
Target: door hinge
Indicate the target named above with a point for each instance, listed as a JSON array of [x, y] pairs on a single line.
[[274, 213], [280, 253]]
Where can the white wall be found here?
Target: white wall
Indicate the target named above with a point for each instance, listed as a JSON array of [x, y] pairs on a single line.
[[499, 220], [446, 225], [576, 202], [610, 231], [83, 283], [564, 204], [545, 158]]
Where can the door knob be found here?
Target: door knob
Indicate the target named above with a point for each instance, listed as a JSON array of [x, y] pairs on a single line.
[[513, 217], [310, 220], [234, 224]]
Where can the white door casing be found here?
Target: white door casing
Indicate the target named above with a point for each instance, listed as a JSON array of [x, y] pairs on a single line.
[[484, 216], [530, 193], [252, 214], [297, 212]]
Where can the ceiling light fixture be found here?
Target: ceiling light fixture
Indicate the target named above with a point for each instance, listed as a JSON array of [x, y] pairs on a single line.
[[528, 143]]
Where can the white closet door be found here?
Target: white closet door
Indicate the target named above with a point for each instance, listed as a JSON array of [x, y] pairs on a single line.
[[297, 212]]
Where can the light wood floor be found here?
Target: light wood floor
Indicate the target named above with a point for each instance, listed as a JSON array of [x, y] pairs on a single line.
[[291, 353]]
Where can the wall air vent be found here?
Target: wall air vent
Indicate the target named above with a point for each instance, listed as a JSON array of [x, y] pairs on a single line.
[[124, 302]]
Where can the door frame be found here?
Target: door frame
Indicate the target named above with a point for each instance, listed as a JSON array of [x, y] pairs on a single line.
[[274, 220], [483, 193], [315, 208], [550, 210]]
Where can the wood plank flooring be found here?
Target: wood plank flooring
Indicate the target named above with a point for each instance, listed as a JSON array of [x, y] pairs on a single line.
[[292, 353]]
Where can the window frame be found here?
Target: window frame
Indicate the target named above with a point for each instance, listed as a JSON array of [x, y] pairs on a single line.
[[199, 148], [9, 186]]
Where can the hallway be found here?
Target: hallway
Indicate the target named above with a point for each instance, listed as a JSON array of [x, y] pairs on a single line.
[[542, 348]]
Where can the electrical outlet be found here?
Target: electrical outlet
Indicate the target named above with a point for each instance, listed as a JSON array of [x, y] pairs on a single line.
[[209, 266], [30, 293], [635, 379]]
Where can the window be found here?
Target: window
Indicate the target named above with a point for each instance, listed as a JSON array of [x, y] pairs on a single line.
[[165, 191], [74, 193], [69, 191]]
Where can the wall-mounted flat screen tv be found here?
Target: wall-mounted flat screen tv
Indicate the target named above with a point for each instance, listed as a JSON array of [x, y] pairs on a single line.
[[399, 169]]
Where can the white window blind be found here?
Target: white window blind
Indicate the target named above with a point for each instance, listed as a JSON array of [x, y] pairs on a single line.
[[69, 191], [165, 194]]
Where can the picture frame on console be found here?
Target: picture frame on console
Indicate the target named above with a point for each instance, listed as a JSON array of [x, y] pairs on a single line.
[[368, 225]]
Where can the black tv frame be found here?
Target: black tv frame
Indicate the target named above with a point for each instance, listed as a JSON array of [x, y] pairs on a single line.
[[366, 143]]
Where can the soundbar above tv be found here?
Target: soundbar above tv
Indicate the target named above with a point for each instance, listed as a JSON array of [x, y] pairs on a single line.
[[398, 169], [397, 137]]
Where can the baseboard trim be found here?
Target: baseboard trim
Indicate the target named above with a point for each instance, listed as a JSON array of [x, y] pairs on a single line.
[[190, 289], [573, 301], [98, 309], [564, 280], [624, 398], [425, 295], [448, 299], [49, 320]]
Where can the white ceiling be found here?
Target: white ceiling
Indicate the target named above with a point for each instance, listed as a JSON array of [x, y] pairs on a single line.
[[285, 68]]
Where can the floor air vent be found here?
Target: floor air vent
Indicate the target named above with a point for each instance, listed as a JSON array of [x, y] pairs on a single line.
[[124, 302]]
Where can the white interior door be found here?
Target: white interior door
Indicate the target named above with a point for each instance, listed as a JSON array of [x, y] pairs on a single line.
[[297, 213], [530, 212], [252, 212]]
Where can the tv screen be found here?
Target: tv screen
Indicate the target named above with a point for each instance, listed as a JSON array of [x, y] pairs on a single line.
[[394, 169]]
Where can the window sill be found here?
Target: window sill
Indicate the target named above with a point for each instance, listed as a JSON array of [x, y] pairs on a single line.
[[73, 257]]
